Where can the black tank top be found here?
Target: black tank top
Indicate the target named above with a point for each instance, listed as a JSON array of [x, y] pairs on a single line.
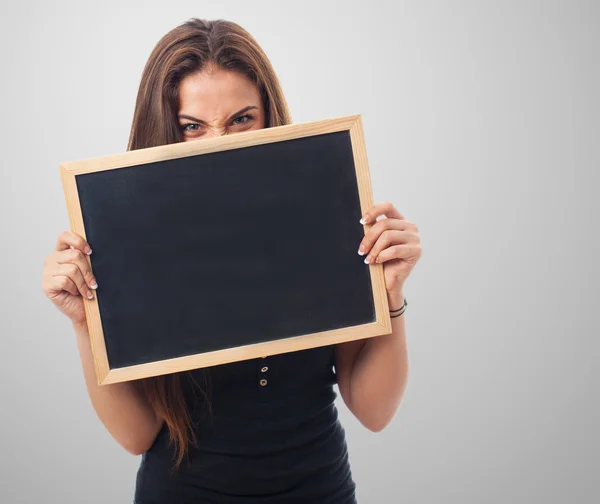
[[272, 436]]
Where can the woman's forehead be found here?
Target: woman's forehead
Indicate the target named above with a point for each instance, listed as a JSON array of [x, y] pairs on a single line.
[[210, 96]]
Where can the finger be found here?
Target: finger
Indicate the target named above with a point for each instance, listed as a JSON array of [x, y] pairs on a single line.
[[387, 239], [53, 285], [77, 257], [60, 283], [74, 273], [68, 239], [409, 252], [377, 229], [386, 208]]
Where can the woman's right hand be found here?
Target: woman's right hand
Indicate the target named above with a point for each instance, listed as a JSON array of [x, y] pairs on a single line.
[[67, 276]]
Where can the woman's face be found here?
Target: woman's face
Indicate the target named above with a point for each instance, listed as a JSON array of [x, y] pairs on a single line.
[[218, 102]]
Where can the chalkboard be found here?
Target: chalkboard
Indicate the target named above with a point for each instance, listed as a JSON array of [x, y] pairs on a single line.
[[227, 249]]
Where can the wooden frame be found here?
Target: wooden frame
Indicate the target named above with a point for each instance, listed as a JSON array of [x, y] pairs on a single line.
[[382, 324]]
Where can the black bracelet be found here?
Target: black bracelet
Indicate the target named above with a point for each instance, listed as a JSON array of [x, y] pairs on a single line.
[[399, 311]]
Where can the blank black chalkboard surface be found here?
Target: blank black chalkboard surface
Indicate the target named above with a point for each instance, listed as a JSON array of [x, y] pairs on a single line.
[[226, 249]]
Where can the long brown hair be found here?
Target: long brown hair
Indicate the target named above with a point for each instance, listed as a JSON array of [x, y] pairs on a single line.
[[190, 48]]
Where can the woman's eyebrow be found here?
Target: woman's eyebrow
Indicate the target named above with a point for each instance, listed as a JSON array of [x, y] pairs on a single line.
[[245, 109]]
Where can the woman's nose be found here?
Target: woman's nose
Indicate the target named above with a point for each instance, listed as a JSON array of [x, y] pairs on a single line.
[[215, 132]]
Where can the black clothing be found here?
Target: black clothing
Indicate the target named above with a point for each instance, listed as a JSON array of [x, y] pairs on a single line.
[[273, 437]]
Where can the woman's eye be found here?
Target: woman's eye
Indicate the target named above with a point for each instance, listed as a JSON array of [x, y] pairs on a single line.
[[247, 117], [184, 127]]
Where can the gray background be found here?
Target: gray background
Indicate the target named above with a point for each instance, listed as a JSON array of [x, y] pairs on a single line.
[[481, 123]]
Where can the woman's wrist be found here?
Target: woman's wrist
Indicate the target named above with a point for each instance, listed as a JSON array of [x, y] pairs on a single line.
[[80, 327], [396, 300]]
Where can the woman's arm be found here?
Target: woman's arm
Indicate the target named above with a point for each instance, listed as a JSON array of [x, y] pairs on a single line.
[[126, 415], [372, 373]]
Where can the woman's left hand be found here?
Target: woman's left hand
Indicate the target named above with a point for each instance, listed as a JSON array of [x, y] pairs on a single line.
[[393, 241]]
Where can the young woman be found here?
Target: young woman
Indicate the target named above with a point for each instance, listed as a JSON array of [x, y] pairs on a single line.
[[258, 431]]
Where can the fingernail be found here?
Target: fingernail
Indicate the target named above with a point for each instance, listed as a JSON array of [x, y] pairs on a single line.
[[90, 295], [361, 250], [367, 260], [94, 285], [88, 251], [363, 221]]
